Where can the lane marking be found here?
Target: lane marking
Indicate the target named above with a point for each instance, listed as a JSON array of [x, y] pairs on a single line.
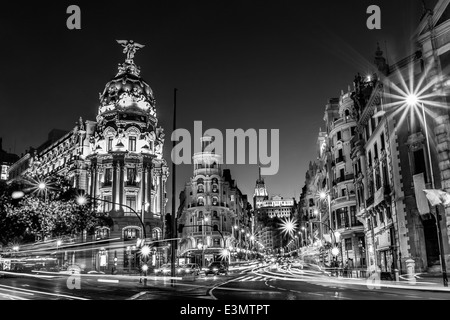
[[108, 281], [42, 292], [9, 290], [137, 295]]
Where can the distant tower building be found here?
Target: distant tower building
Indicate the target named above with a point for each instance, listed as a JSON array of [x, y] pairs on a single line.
[[260, 192]]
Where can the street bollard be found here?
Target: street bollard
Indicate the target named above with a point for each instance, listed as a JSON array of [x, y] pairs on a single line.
[[410, 270], [397, 277]]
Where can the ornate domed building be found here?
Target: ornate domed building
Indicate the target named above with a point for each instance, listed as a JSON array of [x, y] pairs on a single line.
[[117, 160]]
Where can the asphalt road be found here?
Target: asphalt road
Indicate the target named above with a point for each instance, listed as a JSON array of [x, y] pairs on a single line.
[[261, 283]]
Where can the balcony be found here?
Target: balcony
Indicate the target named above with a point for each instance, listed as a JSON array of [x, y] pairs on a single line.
[[131, 184], [340, 159], [347, 177]]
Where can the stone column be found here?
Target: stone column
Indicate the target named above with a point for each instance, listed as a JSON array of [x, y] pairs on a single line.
[[115, 179], [121, 184]]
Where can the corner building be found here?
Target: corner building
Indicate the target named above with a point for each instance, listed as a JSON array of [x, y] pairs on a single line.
[[117, 159]]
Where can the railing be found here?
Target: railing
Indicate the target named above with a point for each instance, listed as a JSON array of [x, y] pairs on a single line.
[[131, 184]]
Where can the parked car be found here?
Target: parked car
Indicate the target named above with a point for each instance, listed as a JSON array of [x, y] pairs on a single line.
[[191, 269], [216, 268]]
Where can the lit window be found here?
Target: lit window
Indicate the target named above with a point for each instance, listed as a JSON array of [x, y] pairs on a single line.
[[110, 141], [132, 144], [131, 202], [131, 233]]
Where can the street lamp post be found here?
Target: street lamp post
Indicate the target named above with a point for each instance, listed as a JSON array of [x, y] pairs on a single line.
[[413, 100]]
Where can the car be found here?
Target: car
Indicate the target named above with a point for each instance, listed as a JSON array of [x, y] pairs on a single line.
[[216, 268], [164, 270], [191, 269]]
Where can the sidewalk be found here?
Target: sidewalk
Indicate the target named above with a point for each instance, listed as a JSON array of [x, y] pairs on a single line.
[[427, 282]]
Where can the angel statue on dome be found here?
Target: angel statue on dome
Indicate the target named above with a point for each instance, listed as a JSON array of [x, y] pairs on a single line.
[[130, 48]]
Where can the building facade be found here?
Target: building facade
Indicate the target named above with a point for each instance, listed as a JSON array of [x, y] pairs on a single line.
[[6, 161], [214, 212]]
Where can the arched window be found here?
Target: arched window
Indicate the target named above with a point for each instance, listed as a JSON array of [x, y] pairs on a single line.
[[200, 201], [200, 188], [215, 181], [215, 227], [156, 234], [131, 233], [215, 214], [347, 114], [101, 233], [215, 201]]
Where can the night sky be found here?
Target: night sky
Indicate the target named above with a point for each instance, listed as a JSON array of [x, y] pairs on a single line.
[[236, 64]]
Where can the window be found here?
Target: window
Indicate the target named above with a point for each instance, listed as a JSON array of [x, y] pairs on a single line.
[[216, 242], [381, 214], [388, 213], [110, 141], [156, 234], [353, 215], [132, 144], [348, 244], [342, 174], [353, 131], [200, 202], [200, 189], [385, 175], [131, 202], [339, 135], [377, 180], [130, 233], [215, 214], [343, 192], [347, 114], [375, 151], [215, 227], [215, 201], [107, 206], [383, 144], [131, 176], [108, 176], [369, 157], [344, 219], [101, 233], [372, 124], [419, 163]]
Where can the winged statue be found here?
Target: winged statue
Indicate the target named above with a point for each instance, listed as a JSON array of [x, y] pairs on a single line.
[[130, 47]]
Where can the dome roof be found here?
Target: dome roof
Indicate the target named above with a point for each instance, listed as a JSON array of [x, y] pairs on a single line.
[[127, 91]]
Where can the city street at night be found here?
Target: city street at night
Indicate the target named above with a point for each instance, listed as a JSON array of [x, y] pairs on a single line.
[[216, 159]]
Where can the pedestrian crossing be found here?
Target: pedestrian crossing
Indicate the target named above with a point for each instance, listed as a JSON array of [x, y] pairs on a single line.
[[252, 278]]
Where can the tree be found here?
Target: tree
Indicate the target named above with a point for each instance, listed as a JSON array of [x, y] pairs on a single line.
[[52, 214]]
